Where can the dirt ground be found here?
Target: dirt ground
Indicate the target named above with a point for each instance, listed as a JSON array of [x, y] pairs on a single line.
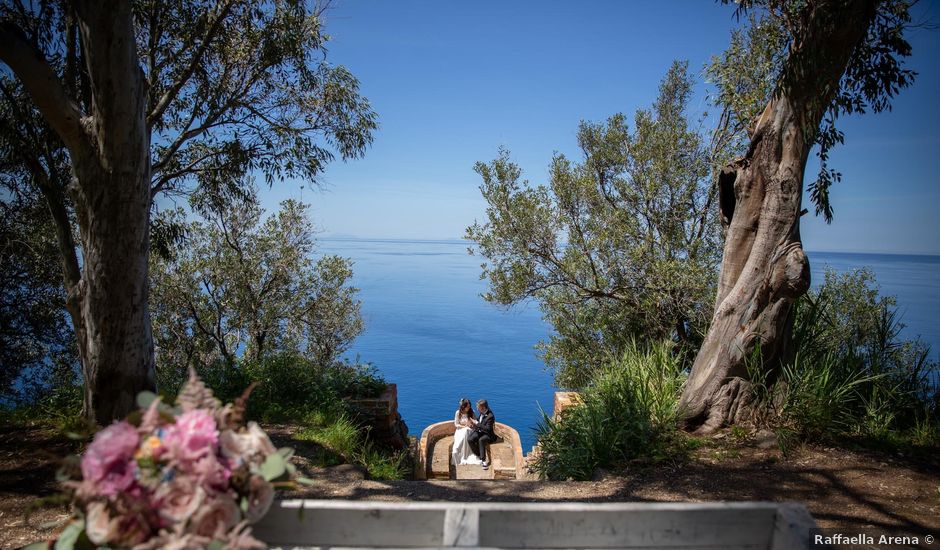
[[842, 489]]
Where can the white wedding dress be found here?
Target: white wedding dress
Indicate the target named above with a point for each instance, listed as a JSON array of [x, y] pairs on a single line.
[[461, 453]]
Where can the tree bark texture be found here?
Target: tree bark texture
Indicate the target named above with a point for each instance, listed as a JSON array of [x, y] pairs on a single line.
[[112, 198], [109, 148], [764, 269]]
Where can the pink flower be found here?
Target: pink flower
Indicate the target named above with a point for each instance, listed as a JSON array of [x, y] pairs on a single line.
[[210, 474], [151, 418], [174, 540], [239, 538], [216, 517], [178, 500], [108, 465], [192, 437]]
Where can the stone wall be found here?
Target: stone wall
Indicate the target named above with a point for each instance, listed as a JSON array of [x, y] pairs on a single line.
[[564, 400], [381, 415]]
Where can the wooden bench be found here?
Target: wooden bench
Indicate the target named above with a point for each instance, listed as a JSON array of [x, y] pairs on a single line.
[[364, 524]]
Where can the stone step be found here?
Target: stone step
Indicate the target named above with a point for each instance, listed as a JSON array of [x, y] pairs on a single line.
[[503, 465]]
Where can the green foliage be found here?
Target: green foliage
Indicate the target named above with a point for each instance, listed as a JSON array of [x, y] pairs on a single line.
[[234, 89], [348, 443], [289, 386], [244, 285], [37, 348], [852, 376], [622, 245], [775, 54], [627, 412]]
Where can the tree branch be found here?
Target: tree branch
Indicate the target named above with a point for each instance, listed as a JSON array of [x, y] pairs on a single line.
[[164, 102], [44, 86]]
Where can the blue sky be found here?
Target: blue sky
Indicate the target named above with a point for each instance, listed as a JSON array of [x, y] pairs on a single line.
[[452, 82]]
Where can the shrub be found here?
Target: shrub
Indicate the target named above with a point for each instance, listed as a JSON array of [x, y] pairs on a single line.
[[627, 412], [852, 375]]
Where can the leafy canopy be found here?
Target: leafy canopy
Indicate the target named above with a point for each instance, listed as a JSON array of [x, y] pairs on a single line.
[[766, 56], [247, 286], [623, 244]]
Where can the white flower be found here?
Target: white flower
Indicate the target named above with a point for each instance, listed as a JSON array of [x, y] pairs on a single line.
[[99, 526]]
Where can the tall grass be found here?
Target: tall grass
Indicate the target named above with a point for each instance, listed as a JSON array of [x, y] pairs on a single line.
[[346, 442], [627, 412], [852, 375]]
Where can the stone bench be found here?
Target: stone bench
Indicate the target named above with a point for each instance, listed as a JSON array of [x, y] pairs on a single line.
[[364, 524], [432, 455]]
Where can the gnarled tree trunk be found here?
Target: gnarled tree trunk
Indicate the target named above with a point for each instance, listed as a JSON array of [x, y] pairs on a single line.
[[764, 268]]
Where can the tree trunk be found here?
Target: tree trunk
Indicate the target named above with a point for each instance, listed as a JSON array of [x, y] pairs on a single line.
[[108, 140], [111, 191], [764, 269], [115, 334]]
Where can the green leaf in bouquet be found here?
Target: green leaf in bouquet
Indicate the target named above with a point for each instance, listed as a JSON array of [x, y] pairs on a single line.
[[286, 452], [243, 505], [216, 545], [74, 538], [304, 480], [69, 469], [37, 546], [146, 398], [273, 467]]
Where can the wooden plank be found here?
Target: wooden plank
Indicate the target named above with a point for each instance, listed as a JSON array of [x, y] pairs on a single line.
[[462, 527], [792, 527], [617, 529], [536, 525], [333, 525]]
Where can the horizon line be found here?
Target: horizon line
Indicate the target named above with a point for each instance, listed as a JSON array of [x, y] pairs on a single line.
[[459, 240]]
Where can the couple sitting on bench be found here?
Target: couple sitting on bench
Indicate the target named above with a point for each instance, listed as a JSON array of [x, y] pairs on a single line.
[[473, 435]]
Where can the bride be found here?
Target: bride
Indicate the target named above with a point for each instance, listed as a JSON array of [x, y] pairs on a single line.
[[464, 422]]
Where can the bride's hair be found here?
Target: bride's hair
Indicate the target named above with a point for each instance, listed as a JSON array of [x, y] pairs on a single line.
[[465, 408]]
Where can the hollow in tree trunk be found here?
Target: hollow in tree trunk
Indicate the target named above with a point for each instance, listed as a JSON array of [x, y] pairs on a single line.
[[764, 269]]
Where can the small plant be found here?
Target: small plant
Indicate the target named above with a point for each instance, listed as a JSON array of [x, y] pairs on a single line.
[[851, 376], [738, 434]]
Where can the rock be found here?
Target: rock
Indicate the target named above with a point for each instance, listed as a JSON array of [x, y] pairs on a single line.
[[766, 439]]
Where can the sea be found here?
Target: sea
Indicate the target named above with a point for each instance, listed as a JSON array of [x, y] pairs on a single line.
[[428, 330]]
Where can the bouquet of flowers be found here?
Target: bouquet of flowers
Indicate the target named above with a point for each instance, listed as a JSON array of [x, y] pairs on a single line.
[[189, 476]]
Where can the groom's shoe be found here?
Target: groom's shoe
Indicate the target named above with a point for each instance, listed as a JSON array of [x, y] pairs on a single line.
[[486, 465]]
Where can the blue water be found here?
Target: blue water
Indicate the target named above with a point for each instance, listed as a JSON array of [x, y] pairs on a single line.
[[913, 280], [428, 330]]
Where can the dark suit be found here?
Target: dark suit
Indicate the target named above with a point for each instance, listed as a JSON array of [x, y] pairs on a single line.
[[482, 434]]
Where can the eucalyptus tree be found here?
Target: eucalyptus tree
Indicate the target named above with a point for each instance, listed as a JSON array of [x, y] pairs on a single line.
[[622, 245], [247, 286], [834, 57], [151, 97]]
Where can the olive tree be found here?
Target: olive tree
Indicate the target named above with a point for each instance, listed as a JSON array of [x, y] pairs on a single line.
[[835, 57], [247, 286], [622, 245]]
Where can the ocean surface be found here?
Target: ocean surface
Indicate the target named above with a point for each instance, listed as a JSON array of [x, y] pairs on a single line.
[[428, 330]]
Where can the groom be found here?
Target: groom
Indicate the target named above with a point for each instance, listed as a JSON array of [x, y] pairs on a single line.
[[483, 432]]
